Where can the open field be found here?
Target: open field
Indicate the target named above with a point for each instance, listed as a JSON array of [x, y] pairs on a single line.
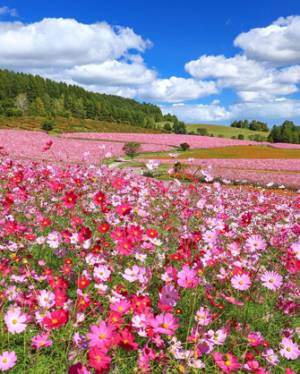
[[106, 269], [225, 131], [239, 151]]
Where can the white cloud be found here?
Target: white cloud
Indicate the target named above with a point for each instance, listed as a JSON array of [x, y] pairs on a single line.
[[59, 42], [199, 113], [112, 73], [177, 89], [5, 10], [278, 43], [252, 80], [215, 112]]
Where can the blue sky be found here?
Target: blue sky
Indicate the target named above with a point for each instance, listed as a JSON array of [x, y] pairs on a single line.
[[180, 55]]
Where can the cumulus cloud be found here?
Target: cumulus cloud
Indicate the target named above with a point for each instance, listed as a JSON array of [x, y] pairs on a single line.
[[97, 56], [215, 112], [196, 113], [59, 42], [252, 80], [278, 43], [177, 89], [5, 10], [112, 73]]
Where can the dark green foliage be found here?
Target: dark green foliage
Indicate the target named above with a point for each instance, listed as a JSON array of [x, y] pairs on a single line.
[[288, 132], [48, 125], [131, 148], [179, 127], [253, 125], [184, 146], [202, 132], [25, 94], [241, 137]]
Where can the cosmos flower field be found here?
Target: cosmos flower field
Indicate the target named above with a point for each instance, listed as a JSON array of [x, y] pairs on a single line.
[[104, 271]]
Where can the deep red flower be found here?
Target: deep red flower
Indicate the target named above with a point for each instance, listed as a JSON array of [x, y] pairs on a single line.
[[99, 198], [56, 319], [83, 282], [103, 228], [70, 199], [98, 359]]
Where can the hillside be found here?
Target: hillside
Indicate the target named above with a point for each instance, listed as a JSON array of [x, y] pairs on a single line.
[[70, 125], [225, 131], [25, 95]]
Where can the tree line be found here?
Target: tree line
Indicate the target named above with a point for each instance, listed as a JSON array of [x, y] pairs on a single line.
[[28, 95], [288, 132], [250, 125]]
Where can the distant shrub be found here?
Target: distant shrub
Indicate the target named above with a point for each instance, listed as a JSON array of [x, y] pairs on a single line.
[[233, 137], [241, 137], [220, 136], [202, 132], [184, 146], [48, 125], [131, 149]]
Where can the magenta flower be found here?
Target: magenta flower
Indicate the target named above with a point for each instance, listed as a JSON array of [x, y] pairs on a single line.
[[228, 363], [7, 360], [40, 341], [271, 280], [241, 282], [100, 335], [165, 324]]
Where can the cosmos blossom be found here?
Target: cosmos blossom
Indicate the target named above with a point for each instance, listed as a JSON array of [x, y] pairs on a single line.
[[289, 349], [15, 321], [271, 280], [241, 282], [7, 360]]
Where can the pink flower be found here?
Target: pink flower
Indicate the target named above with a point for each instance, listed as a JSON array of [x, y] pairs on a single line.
[[7, 360], [15, 321], [203, 316], [271, 280], [165, 324], [120, 307], [228, 363], [255, 339], [100, 336], [241, 282], [255, 243], [289, 349], [40, 341], [187, 278]]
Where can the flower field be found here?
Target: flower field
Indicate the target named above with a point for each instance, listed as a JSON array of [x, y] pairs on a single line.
[[105, 271]]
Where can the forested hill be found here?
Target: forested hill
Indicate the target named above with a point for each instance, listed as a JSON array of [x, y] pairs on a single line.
[[27, 95]]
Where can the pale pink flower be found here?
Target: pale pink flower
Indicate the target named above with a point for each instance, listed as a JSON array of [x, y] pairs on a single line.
[[203, 316], [241, 282], [271, 280], [165, 324], [289, 349], [255, 243], [7, 360], [15, 321]]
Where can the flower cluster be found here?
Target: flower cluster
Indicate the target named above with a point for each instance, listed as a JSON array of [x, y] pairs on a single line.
[[106, 271]]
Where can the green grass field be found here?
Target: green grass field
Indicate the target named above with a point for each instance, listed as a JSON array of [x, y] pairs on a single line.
[[225, 131], [70, 125], [232, 152]]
